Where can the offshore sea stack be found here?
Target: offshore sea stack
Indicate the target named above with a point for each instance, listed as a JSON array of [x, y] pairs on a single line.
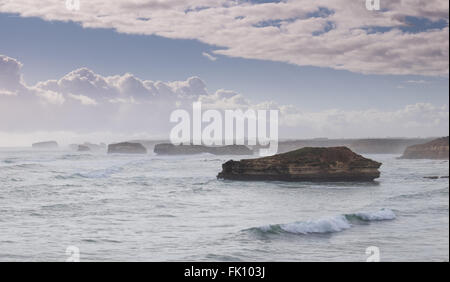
[[170, 149], [83, 148], [435, 150], [306, 164], [45, 145], [126, 148]]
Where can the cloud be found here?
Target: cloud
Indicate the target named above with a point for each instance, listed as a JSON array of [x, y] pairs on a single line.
[[209, 56], [85, 103], [337, 34], [10, 77], [84, 100], [421, 81], [50, 96], [7, 92]]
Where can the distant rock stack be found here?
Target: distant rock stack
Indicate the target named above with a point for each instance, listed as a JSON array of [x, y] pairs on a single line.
[[435, 150], [170, 149], [83, 148], [45, 145], [93, 147], [126, 148], [86, 146], [306, 164]]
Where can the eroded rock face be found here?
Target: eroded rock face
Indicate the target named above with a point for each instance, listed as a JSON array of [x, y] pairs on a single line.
[[126, 148], [45, 145], [436, 150], [306, 164], [170, 149]]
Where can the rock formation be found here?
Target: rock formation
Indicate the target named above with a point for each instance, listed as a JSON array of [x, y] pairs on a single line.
[[360, 146], [94, 147], [126, 148], [86, 146], [45, 145], [437, 150], [306, 164], [170, 149], [83, 148]]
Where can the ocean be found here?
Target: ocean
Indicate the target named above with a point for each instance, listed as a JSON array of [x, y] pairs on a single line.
[[172, 208]]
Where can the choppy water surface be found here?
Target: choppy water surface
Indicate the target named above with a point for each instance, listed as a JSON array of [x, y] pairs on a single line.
[[153, 208]]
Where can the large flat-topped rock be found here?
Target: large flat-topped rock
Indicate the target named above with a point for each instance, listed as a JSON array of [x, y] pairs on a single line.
[[126, 148], [306, 164], [45, 145]]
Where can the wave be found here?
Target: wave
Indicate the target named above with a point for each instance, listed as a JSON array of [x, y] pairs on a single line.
[[101, 173], [325, 225], [106, 172], [75, 156], [383, 214], [213, 160], [420, 195], [24, 166]]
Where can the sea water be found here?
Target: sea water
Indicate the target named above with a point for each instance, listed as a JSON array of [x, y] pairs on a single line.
[[172, 208]]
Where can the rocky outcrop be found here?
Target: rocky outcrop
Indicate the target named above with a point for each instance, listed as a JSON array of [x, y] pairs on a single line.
[[83, 148], [306, 164], [170, 149], [86, 146], [126, 148], [291, 145], [149, 144], [94, 147], [436, 150], [45, 145], [360, 146]]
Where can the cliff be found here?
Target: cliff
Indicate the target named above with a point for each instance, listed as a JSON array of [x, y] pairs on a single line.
[[306, 164], [360, 146], [437, 149]]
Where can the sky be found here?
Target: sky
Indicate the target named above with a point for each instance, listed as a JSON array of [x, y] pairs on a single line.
[[116, 69]]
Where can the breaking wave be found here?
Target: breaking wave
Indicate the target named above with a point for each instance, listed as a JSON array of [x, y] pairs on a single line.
[[326, 225], [383, 214], [76, 157]]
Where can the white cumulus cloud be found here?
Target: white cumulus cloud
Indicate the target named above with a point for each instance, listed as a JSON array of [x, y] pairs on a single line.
[[86, 102]]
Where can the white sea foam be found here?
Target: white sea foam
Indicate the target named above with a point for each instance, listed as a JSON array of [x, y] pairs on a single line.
[[324, 225], [328, 224], [383, 214]]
